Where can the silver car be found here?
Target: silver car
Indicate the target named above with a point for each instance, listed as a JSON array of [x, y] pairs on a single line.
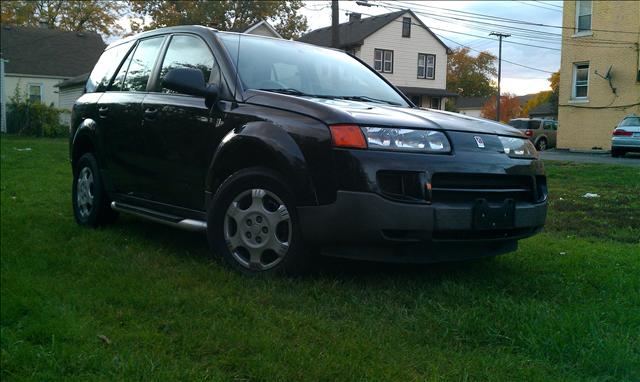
[[542, 132], [626, 136]]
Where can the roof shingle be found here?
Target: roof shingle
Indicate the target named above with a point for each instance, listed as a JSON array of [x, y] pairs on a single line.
[[49, 52]]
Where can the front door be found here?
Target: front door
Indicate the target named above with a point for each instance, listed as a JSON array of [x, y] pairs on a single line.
[[180, 129]]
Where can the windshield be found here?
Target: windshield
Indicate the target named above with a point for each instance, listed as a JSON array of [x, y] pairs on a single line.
[[630, 121], [305, 70]]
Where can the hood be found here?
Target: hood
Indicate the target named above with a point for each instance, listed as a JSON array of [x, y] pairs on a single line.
[[337, 111]]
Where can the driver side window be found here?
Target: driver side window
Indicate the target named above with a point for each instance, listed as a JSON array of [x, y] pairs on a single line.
[[190, 52]]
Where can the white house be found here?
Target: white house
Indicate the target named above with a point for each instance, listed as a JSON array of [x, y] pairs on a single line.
[[399, 46], [262, 28]]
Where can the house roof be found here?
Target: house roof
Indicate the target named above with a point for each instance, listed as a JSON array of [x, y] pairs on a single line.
[[256, 25], [74, 81], [543, 109], [353, 33], [49, 52], [471, 102]]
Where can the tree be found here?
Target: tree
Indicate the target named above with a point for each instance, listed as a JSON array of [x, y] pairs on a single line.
[[509, 107], [91, 15], [555, 88], [536, 100], [471, 76], [223, 14]]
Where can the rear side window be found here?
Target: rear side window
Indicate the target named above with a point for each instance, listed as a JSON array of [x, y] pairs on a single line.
[[135, 71], [189, 52], [106, 67]]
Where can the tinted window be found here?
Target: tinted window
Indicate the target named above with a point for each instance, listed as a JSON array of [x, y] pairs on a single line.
[[276, 64], [524, 124], [116, 85], [189, 52], [106, 67], [141, 64]]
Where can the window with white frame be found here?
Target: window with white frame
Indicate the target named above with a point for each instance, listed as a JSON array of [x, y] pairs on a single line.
[[580, 80], [383, 60], [35, 93], [583, 15], [426, 66]]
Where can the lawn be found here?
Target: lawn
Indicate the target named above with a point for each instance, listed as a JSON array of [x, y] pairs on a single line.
[[138, 300]]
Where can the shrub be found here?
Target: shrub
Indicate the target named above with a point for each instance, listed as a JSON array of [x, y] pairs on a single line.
[[28, 118]]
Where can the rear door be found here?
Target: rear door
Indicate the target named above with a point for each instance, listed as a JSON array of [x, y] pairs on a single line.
[[550, 131], [120, 110], [180, 130]]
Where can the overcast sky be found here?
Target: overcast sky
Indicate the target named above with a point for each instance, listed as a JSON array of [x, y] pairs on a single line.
[[515, 79]]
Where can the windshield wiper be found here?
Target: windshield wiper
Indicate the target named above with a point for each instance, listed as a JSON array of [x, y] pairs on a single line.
[[368, 99]]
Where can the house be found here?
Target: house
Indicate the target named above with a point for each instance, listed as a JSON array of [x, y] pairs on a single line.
[[471, 106], [399, 46], [261, 28], [545, 110], [39, 58], [599, 71]]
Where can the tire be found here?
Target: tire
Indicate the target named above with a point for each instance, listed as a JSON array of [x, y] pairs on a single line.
[[541, 145], [91, 206], [253, 225], [616, 152]]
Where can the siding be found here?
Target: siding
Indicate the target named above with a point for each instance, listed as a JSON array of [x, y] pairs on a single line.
[[68, 96], [49, 91], [405, 54], [262, 30]]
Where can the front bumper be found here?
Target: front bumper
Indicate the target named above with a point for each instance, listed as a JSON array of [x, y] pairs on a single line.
[[368, 226]]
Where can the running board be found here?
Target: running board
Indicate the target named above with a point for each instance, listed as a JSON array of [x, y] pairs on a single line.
[[174, 221]]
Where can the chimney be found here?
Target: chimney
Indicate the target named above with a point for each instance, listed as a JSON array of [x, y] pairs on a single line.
[[354, 16], [42, 23]]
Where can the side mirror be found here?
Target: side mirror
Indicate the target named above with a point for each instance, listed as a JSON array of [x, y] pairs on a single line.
[[190, 81]]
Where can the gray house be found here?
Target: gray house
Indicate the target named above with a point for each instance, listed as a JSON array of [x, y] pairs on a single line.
[[400, 47]]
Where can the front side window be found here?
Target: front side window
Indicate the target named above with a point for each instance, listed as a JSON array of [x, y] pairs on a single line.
[[305, 70], [106, 67], [583, 15], [189, 52], [580, 80], [139, 66], [426, 66], [383, 60], [35, 92], [406, 27]]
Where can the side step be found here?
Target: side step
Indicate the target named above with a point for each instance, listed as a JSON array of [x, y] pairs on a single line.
[[159, 217]]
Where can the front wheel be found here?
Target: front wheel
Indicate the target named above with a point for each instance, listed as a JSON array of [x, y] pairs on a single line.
[[541, 145], [253, 224], [90, 202]]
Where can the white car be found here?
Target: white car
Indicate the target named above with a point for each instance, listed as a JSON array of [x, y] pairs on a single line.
[[626, 136]]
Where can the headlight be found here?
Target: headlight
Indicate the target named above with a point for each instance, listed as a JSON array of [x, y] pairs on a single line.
[[518, 147], [383, 138]]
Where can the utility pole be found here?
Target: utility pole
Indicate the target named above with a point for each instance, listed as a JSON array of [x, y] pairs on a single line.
[[500, 36], [335, 37]]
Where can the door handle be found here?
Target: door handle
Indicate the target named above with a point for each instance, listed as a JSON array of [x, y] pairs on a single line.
[[102, 111], [150, 113]]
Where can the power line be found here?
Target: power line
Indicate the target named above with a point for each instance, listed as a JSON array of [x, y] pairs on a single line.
[[549, 4], [515, 21], [540, 6]]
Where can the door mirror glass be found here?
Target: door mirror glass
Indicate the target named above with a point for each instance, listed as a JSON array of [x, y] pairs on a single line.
[[190, 81]]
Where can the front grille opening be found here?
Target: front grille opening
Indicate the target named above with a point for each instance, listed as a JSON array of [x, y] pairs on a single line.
[[402, 185], [464, 187], [541, 187]]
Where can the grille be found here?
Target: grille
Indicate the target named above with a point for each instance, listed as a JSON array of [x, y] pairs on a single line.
[[463, 187]]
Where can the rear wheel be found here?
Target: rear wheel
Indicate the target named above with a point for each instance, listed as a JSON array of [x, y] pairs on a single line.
[[615, 152], [542, 144], [253, 224], [90, 203]]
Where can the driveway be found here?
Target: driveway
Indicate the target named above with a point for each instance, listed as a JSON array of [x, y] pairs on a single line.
[[631, 159]]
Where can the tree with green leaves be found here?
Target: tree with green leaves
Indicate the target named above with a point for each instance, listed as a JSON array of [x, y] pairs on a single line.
[[471, 76], [223, 14], [90, 15]]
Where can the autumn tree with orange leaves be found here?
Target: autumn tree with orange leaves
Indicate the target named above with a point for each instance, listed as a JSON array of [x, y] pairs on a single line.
[[509, 107]]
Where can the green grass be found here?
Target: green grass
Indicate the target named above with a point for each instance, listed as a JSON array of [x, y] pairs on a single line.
[[565, 306]]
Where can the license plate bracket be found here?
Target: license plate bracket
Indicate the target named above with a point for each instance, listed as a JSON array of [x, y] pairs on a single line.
[[492, 217]]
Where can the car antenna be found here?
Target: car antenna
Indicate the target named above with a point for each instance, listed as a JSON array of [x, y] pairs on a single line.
[[237, 80]]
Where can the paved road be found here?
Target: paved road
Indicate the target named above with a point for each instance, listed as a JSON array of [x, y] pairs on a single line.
[[631, 159]]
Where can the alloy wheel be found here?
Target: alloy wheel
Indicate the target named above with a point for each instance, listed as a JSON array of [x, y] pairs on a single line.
[[84, 194]]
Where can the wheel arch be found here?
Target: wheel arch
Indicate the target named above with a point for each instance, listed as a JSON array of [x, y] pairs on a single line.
[[83, 141], [266, 145]]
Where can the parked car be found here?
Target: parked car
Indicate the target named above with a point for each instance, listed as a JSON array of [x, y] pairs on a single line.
[[273, 147], [542, 132], [626, 136]]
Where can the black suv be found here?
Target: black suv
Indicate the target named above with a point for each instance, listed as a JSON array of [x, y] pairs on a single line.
[[278, 149]]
